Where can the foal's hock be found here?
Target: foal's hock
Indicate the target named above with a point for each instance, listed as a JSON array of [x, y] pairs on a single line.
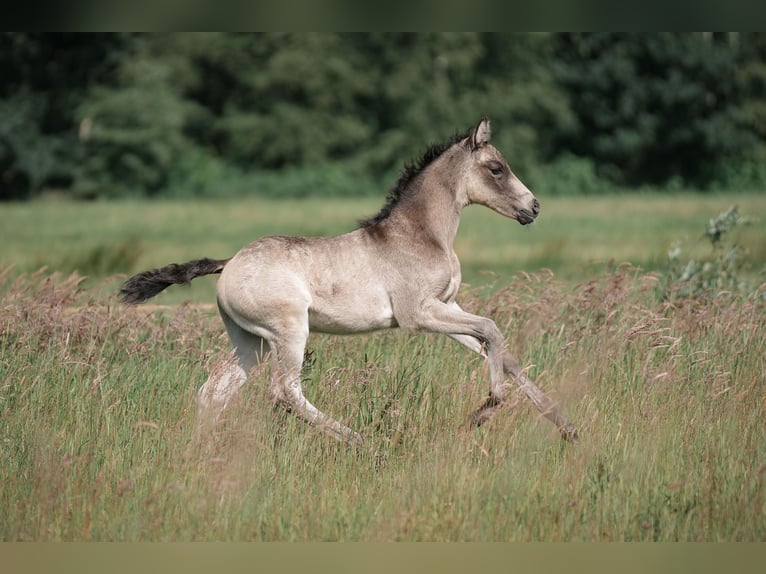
[[398, 269]]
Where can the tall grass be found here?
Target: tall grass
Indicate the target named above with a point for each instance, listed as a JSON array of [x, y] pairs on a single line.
[[98, 434]]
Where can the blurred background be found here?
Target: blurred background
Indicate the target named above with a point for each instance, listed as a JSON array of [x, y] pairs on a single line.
[[293, 115]]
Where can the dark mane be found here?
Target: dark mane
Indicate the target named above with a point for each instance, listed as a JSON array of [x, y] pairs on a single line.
[[410, 171]]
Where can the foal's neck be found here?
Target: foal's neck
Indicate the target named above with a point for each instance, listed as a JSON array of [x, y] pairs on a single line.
[[433, 211]]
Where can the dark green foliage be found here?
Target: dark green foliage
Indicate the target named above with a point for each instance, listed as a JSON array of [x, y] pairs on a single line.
[[211, 114], [568, 175], [751, 82], [652, 107], [132, 133], [45, 78], [27, 156]]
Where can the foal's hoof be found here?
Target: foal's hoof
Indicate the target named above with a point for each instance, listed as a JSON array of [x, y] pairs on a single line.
[[485, 412], [569, 434]]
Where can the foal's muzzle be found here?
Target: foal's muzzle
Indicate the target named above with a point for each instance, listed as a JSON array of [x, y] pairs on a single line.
[[525, 216]]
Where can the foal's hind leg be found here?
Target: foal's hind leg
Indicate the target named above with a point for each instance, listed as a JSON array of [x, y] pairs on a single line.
[[286, 382], [228, 376]]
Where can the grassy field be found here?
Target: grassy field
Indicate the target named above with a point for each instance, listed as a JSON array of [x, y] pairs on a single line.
[[99, 438], [574, 237]]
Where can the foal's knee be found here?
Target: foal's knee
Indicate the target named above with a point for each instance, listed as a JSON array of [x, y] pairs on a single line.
[[493, 335]]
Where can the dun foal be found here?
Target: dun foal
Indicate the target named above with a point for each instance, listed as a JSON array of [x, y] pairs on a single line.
[[398, 269]]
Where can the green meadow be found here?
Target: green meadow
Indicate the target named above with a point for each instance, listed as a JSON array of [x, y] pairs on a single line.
[[575, 237], [98, 432]]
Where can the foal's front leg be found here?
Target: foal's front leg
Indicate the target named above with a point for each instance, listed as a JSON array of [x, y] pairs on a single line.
[[478, 333], [543, 402], [499, 393]]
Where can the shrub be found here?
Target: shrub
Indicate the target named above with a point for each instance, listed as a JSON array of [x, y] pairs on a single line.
[[722, 270]]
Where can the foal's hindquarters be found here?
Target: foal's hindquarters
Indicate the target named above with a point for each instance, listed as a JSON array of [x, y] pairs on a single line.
[[265, 309]]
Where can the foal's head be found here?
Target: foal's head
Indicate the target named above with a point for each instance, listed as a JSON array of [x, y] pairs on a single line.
[[488, 180]]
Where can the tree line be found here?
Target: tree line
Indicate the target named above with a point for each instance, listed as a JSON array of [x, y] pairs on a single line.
[[103, 115]]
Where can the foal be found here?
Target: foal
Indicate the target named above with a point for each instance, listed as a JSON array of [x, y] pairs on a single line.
[[398, 269]]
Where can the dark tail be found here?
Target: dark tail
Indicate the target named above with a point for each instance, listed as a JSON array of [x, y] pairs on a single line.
[[146, 285]]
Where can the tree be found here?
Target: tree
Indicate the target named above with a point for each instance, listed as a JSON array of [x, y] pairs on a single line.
[[45, 77], [132, 131], [651, 107], [274, 100], [426, 82], [751, 82]]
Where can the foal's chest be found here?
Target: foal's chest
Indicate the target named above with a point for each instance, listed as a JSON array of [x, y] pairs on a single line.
[[455, 278]]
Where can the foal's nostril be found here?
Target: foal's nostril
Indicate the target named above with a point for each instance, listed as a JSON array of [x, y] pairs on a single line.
[[535, 207]]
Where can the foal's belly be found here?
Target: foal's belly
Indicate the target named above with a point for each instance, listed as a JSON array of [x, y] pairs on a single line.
[[350, 314]]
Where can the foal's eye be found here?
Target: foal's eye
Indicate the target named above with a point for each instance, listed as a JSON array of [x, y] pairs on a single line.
[[496, 169]]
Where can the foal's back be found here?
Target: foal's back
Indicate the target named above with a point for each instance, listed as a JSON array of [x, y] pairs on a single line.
[[331, 283]]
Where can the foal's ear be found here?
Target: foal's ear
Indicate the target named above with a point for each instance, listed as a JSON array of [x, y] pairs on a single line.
[[480, 134]]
